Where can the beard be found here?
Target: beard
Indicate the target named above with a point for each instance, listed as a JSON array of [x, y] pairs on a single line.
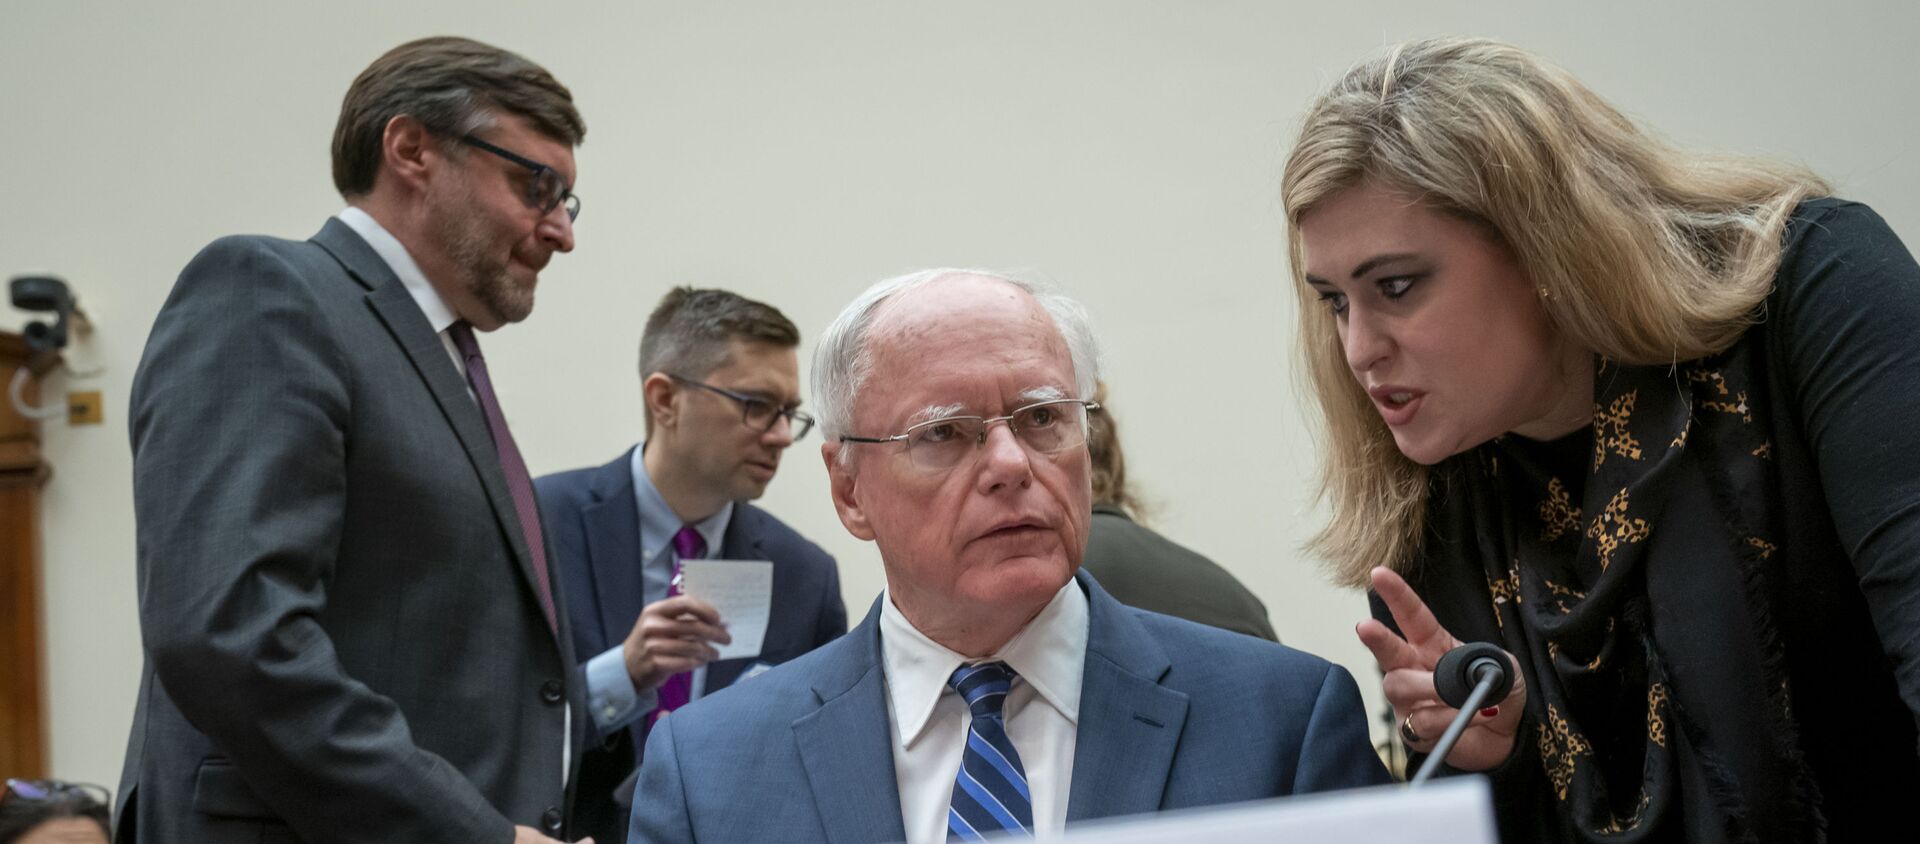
[[471, 247]]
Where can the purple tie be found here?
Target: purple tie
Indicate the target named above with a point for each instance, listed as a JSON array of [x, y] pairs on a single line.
[[687, 545], [519, 483]]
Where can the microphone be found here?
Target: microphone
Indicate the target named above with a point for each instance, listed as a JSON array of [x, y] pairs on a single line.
[[1462, 668], [1466, 678]]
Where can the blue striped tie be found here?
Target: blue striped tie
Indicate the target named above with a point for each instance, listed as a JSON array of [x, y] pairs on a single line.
[[990, 794]]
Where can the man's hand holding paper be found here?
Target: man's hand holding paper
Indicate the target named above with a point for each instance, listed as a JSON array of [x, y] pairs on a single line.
[[742, 593]]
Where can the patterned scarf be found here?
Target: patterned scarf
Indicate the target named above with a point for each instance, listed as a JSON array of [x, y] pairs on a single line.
[[1593, 579]]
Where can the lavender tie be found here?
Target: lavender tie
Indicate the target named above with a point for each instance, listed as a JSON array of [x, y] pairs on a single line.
[[688, 544], [519, 483]]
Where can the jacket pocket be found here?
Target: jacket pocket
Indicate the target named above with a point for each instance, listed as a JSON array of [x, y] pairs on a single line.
[[219, 791]]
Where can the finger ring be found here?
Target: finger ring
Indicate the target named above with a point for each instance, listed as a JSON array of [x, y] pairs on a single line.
[[1406, 730]]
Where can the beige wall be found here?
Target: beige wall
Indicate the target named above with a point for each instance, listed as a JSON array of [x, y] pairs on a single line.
[[796, 152]]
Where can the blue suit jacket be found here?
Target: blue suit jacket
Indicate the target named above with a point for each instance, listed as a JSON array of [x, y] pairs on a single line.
[[1172, 714], [593, 523]]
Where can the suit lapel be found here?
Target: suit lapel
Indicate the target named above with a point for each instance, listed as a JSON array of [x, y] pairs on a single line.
[[1129, 724], [395, 307], [612, 524], [742, 542], [844, 744]]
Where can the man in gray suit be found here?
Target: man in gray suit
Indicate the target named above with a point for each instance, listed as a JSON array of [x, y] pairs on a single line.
[[351, 628]]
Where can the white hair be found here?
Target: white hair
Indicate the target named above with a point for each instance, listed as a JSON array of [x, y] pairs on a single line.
[[842, 361]]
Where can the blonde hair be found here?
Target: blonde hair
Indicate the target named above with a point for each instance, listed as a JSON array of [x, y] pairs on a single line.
[[1641, 252], [1109, 462]]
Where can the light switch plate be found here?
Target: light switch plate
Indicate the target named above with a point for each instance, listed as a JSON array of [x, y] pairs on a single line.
[[83, 408]]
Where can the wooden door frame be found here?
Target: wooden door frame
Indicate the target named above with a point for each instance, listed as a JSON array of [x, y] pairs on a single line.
[[23, 471]]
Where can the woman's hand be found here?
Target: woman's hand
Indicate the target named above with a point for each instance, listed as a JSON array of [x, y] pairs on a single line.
[[1408, 665]]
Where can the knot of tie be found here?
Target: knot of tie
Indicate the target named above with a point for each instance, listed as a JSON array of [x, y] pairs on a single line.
[[984, 687], [688, 544], [462, 335]]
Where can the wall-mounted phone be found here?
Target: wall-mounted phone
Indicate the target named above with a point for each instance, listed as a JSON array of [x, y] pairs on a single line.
[[43, 293]]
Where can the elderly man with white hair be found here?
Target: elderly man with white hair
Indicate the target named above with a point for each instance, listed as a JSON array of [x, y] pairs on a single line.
[[993, 687]]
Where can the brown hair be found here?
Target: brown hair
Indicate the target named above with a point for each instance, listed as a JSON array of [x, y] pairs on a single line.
[[1109, 462], [691, 332], [20, 815], [452, 86], [1643, 253]]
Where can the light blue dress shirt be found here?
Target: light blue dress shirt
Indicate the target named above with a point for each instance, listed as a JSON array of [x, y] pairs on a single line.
[[611, 697]]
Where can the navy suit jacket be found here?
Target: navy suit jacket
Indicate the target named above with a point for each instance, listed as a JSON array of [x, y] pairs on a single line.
[[1173, 714], [592, 519]]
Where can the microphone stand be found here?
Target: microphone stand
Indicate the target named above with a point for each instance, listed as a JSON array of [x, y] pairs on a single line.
[[1481, 666], [1475, 699]]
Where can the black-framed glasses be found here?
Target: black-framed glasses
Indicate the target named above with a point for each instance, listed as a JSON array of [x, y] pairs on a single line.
[[546, 190], [758, 413], [1047, 427], [38, 790]]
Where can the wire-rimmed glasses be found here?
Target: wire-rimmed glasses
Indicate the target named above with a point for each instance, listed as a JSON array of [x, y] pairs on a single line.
[[1047, 427]]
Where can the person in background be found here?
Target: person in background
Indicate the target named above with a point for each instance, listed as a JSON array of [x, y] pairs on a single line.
[[1141, 568], [53, 812], [721, 384], [993, 686], [1643, 418], [350, 624]]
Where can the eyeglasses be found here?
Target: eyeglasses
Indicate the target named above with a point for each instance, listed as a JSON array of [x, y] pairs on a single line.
[[37, 790], [1047, 427], [758, 413], [545, 190]]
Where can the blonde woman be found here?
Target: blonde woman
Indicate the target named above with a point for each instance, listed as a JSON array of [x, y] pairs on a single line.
[[1643, 418]]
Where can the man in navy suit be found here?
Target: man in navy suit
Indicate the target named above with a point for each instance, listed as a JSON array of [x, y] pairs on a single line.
[[721, 383], [991, 687]]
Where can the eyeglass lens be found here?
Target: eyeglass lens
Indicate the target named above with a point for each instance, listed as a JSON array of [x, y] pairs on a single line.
[[1046, 428], [763, 415], [547, 191]]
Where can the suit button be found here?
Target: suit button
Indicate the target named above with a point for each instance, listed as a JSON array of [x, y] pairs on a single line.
[[550, 820], [552, 692]]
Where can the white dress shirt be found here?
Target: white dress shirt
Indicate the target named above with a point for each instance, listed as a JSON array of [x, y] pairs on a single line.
[[928, 720], [439, 316], [401, 262]]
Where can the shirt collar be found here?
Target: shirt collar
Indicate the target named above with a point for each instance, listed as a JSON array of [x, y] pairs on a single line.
[[401, 262], [1050, 654], [658, 523]]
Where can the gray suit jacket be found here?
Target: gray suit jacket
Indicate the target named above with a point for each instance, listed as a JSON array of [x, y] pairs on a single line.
[[1172, 715], [343, 641], [1144, 569]]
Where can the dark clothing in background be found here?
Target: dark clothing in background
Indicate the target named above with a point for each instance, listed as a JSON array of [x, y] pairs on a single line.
[[1143, 569]]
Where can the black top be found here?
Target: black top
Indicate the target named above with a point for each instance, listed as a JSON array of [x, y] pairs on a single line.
[[1144, 569], [1839, 379]]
